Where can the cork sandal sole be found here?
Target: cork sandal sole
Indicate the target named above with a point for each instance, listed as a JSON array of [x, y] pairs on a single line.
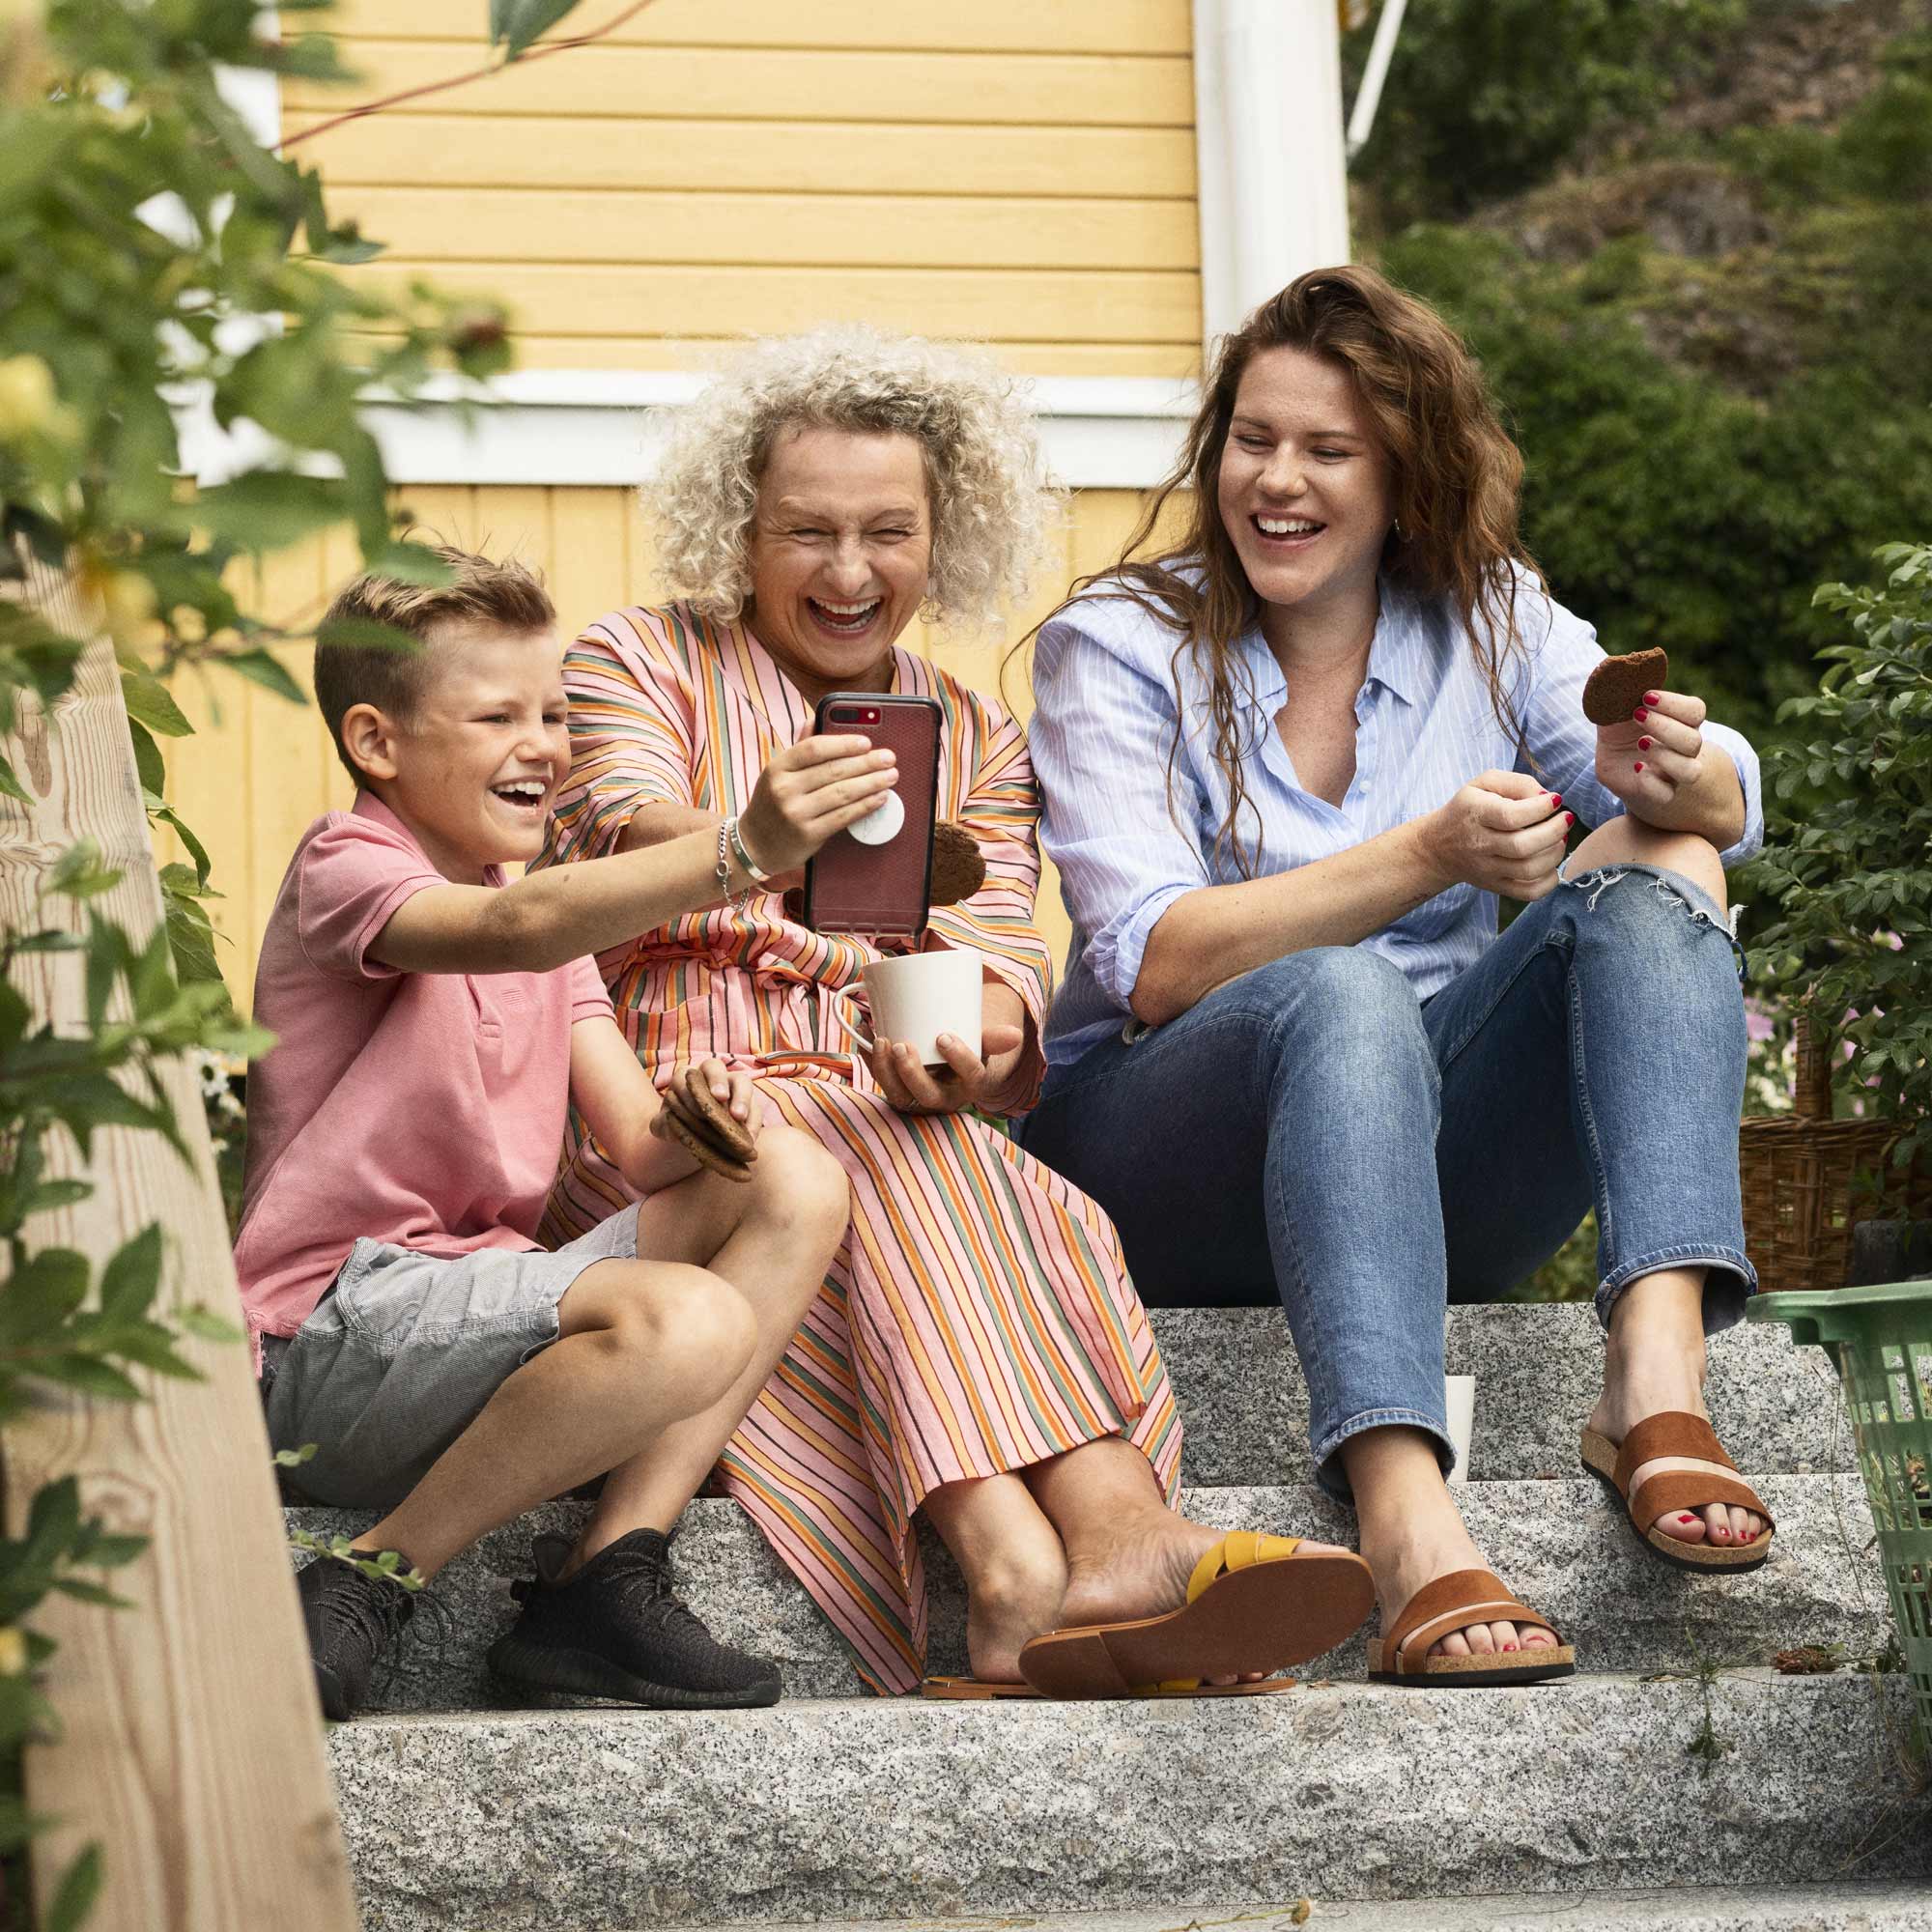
[[1542, 1664], [971, 1690], [1272, 1615], [1600, 1459]]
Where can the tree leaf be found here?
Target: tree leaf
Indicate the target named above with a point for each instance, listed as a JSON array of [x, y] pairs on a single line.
[[206, 1325], [45, 1290], [132, 1275], [515, 24], [148, 759], [11, 786], [75, 1895], [150, 702], [262, 668]]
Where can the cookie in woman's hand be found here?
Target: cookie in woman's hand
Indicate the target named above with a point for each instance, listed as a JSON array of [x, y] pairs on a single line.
[[958, 868], [1617, 685]]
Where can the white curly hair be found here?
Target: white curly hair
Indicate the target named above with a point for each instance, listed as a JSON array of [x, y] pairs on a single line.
[[992, 505]]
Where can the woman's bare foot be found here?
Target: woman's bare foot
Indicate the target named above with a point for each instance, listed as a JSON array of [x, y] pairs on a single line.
[[1655, 1364], [1412, 1533], [1013, 1596]]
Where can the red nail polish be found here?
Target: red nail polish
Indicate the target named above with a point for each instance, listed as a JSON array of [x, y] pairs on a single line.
[[1651, 696], [1555, 799], [1639, 714], [1643, 744], [1687, 1518], [1640, 765], [1569, 818]]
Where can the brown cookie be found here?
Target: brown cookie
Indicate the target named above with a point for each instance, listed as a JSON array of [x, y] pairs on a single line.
[[1617, 685], [958, 868], [701, 1150], [681, 1110], [716, 1117]]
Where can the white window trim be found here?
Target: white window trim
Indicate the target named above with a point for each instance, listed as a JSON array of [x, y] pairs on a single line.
[[604, 427]]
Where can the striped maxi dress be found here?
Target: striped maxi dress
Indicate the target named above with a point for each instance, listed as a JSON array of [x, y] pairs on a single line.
[[978, 1316]]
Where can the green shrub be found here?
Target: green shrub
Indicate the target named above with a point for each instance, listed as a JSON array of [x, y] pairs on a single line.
[[1486, 97], [1848, 868], [1664, 506]]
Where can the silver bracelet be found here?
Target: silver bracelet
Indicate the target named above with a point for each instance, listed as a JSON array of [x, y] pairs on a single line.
[[746, 863], [737, 901]]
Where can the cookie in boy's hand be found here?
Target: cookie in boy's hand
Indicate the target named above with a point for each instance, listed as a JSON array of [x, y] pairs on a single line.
[[701, 1149], [958, 868], [713, 1118], [1617, 685]]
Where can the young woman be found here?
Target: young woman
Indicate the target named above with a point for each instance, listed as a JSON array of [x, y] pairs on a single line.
[[1287, 770]]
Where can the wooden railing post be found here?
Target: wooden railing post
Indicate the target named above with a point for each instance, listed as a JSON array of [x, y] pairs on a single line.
[[192, 1739]]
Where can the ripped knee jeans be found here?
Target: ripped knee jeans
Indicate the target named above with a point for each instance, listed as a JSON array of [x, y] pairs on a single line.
[[1598, 1048]]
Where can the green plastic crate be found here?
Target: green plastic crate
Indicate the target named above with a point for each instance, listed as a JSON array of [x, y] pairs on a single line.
[[1881, 1339]]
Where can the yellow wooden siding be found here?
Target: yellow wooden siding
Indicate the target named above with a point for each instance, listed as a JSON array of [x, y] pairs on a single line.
[[1001, 26], [260, 769], [1015, 173]]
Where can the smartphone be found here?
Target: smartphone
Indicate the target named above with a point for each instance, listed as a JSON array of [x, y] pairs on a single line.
[[876, 877]]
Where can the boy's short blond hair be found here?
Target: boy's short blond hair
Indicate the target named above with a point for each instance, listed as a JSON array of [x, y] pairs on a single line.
[[362, 669]]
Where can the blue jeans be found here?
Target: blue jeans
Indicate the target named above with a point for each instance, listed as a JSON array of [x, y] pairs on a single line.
[[1311, 1129]]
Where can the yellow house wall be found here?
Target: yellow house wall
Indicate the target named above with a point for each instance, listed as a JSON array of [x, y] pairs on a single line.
[[260, 769], [1015, 172]]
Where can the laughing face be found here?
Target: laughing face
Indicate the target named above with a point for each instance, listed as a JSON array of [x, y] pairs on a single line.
[[473, 769], [841, 545], [1305, 490]]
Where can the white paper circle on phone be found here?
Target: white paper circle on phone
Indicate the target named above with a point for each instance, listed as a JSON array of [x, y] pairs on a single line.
[[882, 824]]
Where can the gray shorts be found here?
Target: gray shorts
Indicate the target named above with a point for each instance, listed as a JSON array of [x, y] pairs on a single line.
[[403, 1351]]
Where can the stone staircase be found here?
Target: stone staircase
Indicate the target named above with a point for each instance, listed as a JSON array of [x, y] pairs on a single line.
[[1676, 1758]]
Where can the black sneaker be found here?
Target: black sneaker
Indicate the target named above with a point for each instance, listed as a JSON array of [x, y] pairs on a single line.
[[352, 1620], [615, 1630]]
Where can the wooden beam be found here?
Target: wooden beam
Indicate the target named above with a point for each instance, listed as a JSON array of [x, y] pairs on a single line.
[[192, 1738]]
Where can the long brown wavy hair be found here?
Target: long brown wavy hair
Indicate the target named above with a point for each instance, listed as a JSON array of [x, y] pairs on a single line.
[[1454, 479]]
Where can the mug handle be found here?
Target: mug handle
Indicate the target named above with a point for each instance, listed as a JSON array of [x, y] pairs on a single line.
[[835, 1009]]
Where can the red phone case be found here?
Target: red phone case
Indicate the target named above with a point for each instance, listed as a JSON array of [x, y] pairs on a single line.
[[880, 889]]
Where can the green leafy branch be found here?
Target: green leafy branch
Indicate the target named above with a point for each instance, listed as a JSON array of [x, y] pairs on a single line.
[[1848, 868]]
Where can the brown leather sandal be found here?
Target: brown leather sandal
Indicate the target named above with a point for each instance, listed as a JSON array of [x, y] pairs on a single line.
[[1454, 1602], [1676, 1431]]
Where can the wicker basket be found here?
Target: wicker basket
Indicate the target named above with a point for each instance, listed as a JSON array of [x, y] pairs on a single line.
[[1798, 1172]]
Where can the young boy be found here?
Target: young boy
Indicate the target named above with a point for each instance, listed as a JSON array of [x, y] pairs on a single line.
[[433, 1024]]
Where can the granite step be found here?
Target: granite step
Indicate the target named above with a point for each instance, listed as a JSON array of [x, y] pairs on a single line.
[[1697, 1907], [901, 1809], [1538, 1368], [1558, 1544]]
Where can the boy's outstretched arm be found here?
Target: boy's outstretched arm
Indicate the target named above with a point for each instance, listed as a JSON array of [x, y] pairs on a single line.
[[621, 1107], [808, 792]]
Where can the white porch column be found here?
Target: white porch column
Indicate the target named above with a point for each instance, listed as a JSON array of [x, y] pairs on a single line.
[[1267, 130]]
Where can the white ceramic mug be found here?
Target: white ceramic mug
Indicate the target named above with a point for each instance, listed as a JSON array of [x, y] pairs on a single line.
[[914, 997]]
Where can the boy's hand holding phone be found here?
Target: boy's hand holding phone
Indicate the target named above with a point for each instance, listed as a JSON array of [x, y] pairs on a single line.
[[810, 791]]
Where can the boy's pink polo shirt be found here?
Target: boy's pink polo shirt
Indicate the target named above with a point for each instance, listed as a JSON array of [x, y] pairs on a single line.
[[422, 1109]]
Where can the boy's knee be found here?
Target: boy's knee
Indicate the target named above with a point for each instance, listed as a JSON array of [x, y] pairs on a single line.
[[688, 1323], [797, 1181]]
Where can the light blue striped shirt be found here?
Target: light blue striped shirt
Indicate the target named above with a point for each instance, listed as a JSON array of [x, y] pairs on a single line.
[[1103, 726]]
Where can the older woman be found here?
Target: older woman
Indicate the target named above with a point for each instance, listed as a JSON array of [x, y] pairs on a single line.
[[1288, 768], [977, 1350]]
